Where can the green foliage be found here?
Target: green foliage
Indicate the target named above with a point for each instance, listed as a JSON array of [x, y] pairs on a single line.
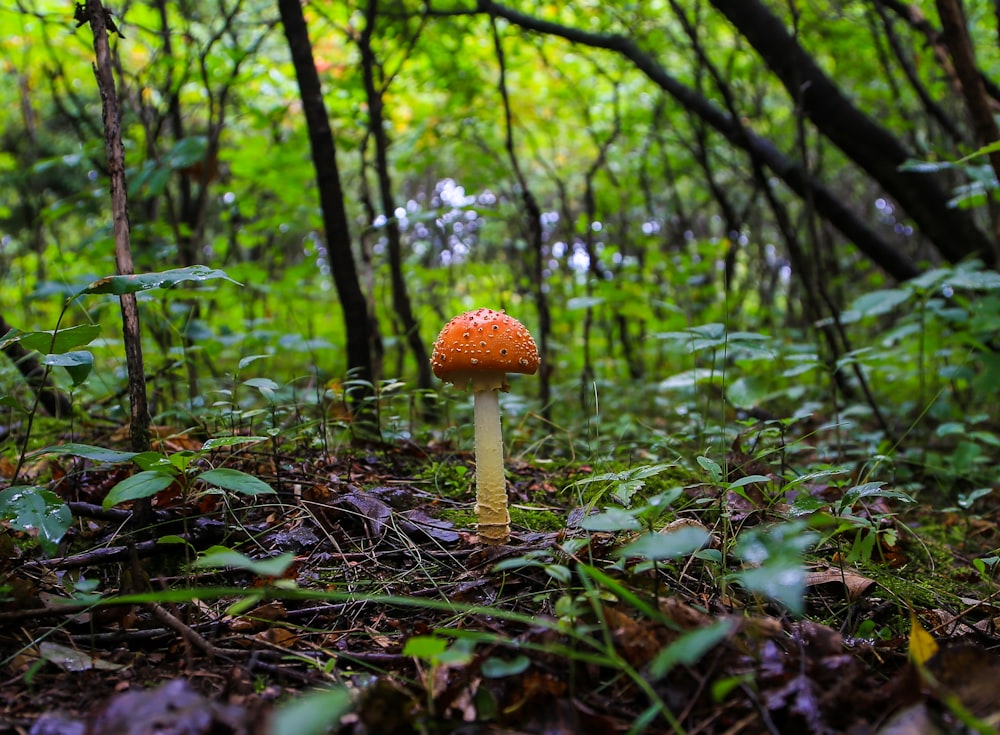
[[38, 512], [774, 562], [160, 471]]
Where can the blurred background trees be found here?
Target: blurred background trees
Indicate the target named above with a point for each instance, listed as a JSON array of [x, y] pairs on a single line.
[[613, 174]]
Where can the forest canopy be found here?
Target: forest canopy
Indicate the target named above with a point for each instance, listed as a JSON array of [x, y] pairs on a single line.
[[578, 163]]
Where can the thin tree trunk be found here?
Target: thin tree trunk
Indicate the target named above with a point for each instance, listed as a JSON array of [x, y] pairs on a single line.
[[100, 19], [400, 295], [331, 194], [534, 238], [955, 35]]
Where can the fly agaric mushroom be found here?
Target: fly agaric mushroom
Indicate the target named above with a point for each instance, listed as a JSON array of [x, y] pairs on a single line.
[[479, 348]]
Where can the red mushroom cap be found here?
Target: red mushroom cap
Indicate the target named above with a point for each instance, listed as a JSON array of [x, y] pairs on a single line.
[[481, 346]]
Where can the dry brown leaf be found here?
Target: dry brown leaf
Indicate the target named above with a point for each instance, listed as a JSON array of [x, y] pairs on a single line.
[[857, 585]]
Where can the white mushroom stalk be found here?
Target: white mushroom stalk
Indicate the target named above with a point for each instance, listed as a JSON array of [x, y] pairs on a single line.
[[479, 348], [491, 484]]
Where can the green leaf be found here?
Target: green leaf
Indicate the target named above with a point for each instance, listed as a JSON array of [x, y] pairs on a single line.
[[583, 302], [119, 285], [220, 556], [140, 485], [311, 714], [236, 481], [670, 545], [231, 441], [498, 668], [11, 402], [87, 451], [250, 359], [266, 386], [776, 557], [425, 647], [612, 519], [38, 512], [689, 648], [749, 480], [880, 302], [78, 364], [65, 339], [711, 467], [187, 151]]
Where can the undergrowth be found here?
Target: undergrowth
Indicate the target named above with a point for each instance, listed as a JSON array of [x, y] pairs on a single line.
[[759, 481]]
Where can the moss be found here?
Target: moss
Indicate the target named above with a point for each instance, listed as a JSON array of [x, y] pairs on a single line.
[[536, 519]]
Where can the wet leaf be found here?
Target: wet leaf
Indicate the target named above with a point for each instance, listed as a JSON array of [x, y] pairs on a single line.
[[120, 285], [231, 441], [74, 659], [38, 512], [78, 364]]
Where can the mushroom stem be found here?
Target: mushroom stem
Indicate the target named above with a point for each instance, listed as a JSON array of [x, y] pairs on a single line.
[[491, 486]]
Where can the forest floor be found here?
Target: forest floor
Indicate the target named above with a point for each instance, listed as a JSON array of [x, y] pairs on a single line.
[[381, 597]]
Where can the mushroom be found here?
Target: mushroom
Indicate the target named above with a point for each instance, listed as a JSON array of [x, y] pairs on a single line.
[[479, 348]]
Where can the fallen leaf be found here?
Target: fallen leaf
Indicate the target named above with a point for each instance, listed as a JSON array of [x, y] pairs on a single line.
[[72, 659], [922, 644]]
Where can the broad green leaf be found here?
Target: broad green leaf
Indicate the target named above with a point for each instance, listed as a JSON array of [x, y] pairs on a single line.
[[11, 402], [266, 386], [78, 364], [613, 519], [426, 647], [187, 151], [670, 545], [87, 451], [231, 441], [38, 512], [65, 339], [689, 648], [119, 285], [880, 302], [775, 557], [220, 556], [236, 481], [749, 480], [498, 668], [314, 713], [140, 485]]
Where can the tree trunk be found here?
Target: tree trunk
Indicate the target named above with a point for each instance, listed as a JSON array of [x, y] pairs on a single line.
[[400, 295], [100, 21], [862, 139], [331, 194]]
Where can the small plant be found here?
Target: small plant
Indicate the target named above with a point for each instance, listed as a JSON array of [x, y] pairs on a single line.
[[160, 471]]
